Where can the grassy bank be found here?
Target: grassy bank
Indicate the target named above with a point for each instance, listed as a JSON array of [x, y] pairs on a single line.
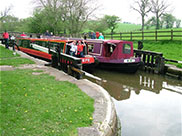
[[170, 49], [40, 105], [8, 58], [34, 105]]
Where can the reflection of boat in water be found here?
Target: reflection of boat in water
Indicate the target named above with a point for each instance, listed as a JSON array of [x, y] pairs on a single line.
[[114, 55], [120, 86]]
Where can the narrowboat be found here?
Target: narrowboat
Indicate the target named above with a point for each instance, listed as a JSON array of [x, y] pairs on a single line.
[[50, 49], [114, 55]]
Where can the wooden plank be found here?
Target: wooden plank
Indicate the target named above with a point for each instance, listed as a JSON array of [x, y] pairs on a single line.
[[148, 60]]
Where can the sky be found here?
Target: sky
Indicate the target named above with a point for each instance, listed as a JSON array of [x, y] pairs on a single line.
[[120, 8]]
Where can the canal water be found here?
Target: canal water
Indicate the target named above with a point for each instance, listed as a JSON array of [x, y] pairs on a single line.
[[147, 104]]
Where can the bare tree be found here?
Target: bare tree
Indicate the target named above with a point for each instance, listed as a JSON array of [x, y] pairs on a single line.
[[143, 7], [77, 13], [72, 13], [158, 8], [5, 12]]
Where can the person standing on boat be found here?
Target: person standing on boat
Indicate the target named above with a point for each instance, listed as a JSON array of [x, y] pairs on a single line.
[[13, 42], [85, 36], [23, 34], [80, 47], [101, 36], [6, 38], [73, 49], [47, 33], [93, 36], [97, 35]]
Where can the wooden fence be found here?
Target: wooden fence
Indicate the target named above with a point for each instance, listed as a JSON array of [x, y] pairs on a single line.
[[155, 35]]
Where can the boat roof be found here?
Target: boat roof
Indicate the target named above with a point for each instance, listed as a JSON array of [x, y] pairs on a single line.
[[46, 39], [64, 39], [103, 41]]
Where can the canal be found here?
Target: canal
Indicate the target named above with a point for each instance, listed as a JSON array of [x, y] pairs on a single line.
[[147, 104]]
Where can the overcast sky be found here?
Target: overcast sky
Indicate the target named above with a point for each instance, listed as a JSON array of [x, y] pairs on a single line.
[[121, 8]]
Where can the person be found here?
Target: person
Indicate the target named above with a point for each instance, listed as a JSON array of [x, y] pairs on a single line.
[[73, 49], [140, 45], [101, 36], [80, 47], [13, 42], [51, 34], [47, 33], [85, 36], [23, 34], [93, 36], [6, 38], [97, 35]]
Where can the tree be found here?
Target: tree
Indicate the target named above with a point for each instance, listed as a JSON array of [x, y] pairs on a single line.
[[5, 13], [111, 22], [158, 8], [142, 7], [9, 23], [49, 15], [71, 14], [97, 25], [168, 20], [178, 22], [77, 13], [150, 23]]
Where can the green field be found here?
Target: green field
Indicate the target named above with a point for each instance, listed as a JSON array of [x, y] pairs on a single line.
[[122, 27], [162, 34]]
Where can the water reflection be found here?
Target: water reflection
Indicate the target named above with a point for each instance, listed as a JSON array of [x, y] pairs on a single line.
[[120, 85], [147, 104]]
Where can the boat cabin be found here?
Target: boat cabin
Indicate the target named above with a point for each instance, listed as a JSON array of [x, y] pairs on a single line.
[[112, 49], [114, 55]]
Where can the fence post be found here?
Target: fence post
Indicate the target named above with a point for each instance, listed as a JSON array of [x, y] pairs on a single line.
[[120, 36], [156, 35], [131, 36], [142, 35], [171, 34]]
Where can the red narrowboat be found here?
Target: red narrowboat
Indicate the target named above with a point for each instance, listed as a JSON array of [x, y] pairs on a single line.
[[47, 49]]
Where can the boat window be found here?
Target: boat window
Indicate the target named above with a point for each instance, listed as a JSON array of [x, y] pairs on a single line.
[[90, 47], [54, 45], [95, 47], [19, 42], [38, 43], [110, 49], [126, 48], [45, 44], [25, 43]]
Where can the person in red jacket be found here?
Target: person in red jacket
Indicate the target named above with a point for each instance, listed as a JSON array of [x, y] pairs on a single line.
[[80, 47], [23, 34], [6, 38], [97, 35]]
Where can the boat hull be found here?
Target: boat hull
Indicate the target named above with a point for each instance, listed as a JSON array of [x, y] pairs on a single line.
[[121, 67]]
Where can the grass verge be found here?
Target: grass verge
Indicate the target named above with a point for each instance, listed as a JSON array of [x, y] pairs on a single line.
[[8, 58], [40, 105], [170, 49]]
